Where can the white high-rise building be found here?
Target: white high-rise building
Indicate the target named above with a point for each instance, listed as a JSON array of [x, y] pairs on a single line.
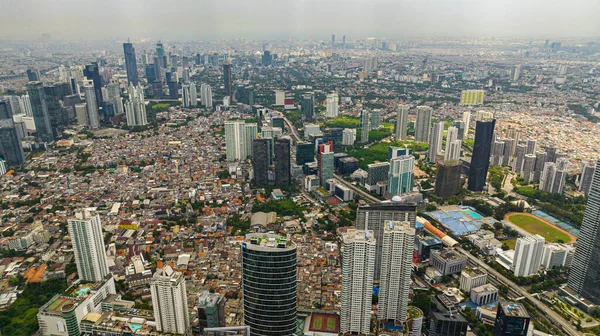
[[238, 139], [515, 73], [482, 115], [206, 96], [169, 301], [528, 255], [358, 263], [396, 267], [349, 136], [279, 97], [92, 106], [451, 134], [402, 122], [453, 150], [423, 124], [135, 108], [365, 126], [185, 95], [333, 101], [193, 95], [81, 114], [88, 246], [435, 142], [466, 121]]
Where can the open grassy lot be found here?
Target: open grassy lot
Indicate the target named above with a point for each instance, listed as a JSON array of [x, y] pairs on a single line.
[[535, 225]]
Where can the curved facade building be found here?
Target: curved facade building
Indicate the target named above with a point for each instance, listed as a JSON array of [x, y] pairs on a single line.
[[269, 284]]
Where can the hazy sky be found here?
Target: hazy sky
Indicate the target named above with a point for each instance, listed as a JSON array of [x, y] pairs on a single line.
[[271, 19]]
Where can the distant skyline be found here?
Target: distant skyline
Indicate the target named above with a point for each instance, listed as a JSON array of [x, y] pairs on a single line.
[[264, 19]]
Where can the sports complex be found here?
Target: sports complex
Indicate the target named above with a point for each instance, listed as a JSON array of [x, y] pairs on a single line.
[[537, 225]]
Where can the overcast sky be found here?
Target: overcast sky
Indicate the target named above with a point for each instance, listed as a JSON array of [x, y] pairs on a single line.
[[281, 19]]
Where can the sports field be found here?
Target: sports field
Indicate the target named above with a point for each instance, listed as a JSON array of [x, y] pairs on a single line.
[[324, 323], [536, 225]]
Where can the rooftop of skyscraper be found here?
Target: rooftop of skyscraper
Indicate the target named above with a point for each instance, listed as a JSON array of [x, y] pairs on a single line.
[[514, 309], [268, 240], [359, 235]]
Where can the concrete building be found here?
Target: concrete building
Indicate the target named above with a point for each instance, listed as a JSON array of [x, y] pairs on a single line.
[[349, 137], [135, 107], [357, 281], [585, 182], [87, 238], [447, 180], [472, 97], [333, 101], [238, 139], [169, 301], [448, 261], [528, 255], [325, 162], [423, 123], [396, 268], [435, 141], [471, 278], [92, 106], [466, 119], [484, 294], [402, 122], [365, 126], [375, 216], [557, 255]]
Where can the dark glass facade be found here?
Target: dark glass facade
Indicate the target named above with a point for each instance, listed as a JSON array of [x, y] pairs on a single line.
[[447, 181], [92, 71], [511, 323], [260, 161], [305, 152], [10, 144], [130, 63], [445, 324], [55, 94], [308, 106], [39, 109], [282, 162], [334, 135], [269, 287], [227, 78], [480, 161]]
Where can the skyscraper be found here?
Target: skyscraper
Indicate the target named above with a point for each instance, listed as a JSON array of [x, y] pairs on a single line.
[[308, 106], [585, 269], [423, 124], [472, 97], [447, 180], [206, 96], [269, 284], [467, 122], [528, 255], [333, 101], [357, 281], [375, 119], [402, 122], [169, 301], [11, 149], [364, 126], [512, 319], [480, 160], [130, 63], [136, 107], [185, 95], [401, 175], [227, 78], [305, 153], [260, 160], [238, 139], [92, 72], [396, 268], [33, 74], [92, 106], [435, 141], [87, 239], [587, 173], [283, 176], [39, 109], [460, 125], [325, 162], [453, 150], [336, 136], [194, 95], [375, 216], [211, 310]]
